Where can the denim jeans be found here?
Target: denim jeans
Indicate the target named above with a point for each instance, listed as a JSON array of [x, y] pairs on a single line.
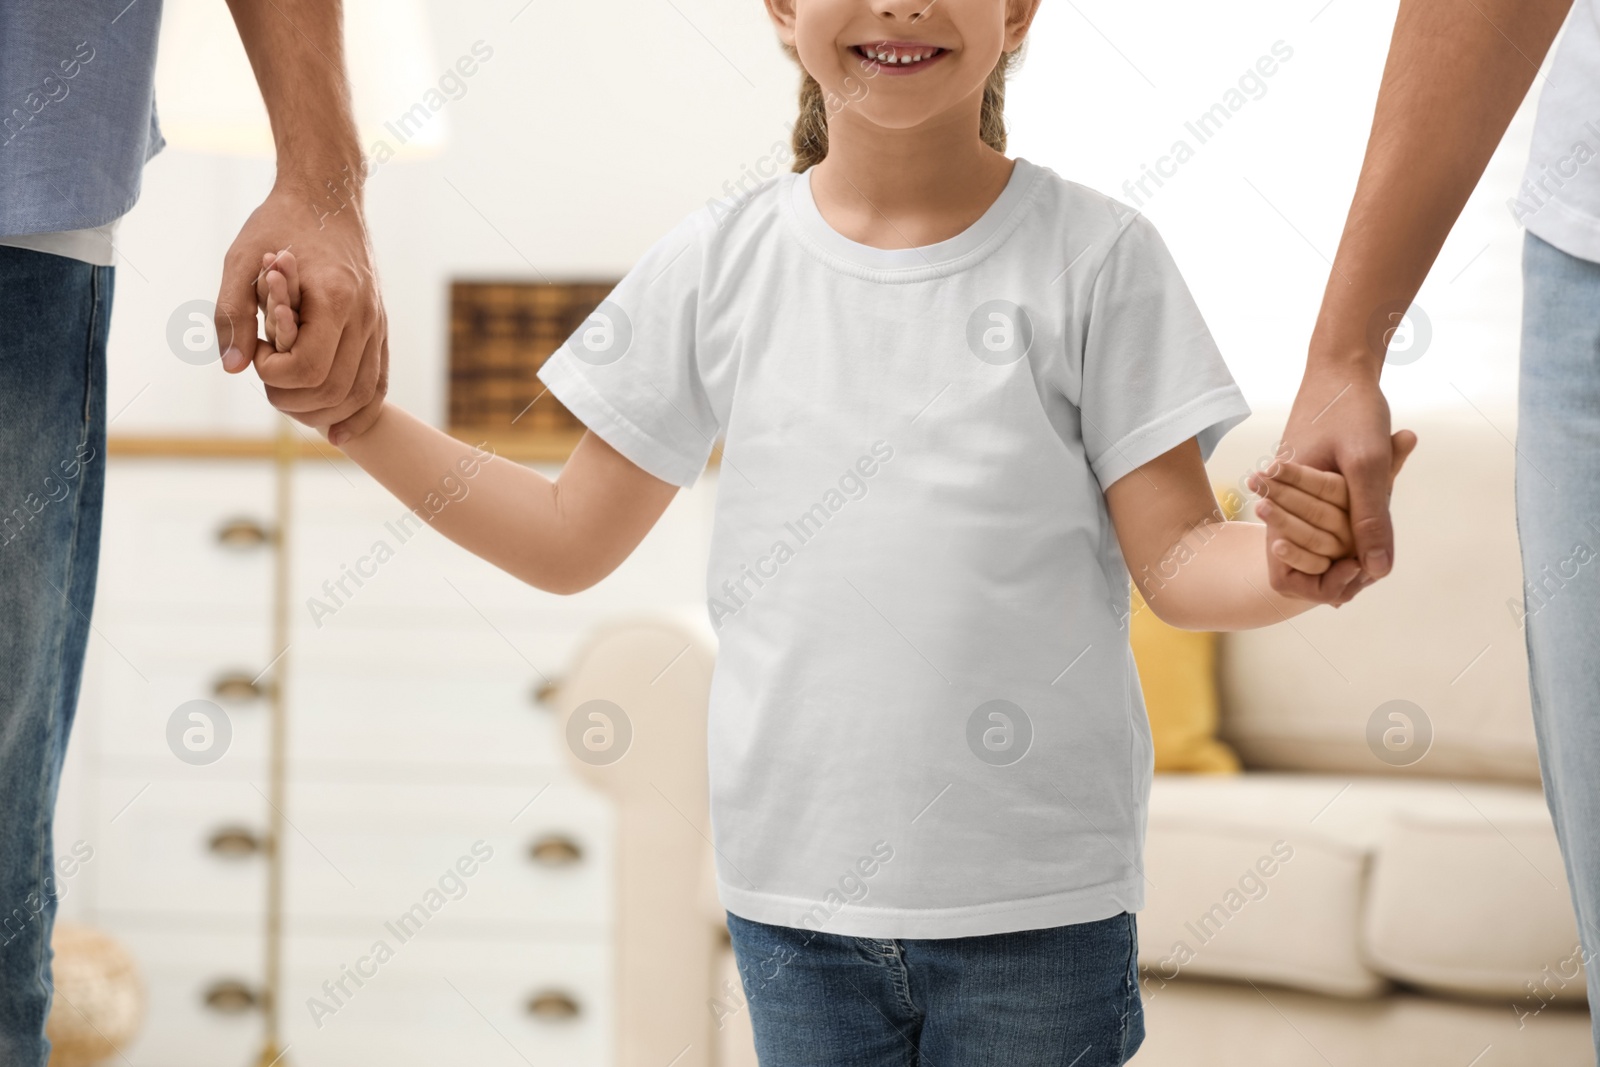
[[1558, 521], [1067, 996], [53, 317]]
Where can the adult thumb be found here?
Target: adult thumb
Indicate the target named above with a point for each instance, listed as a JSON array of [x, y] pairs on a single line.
[[235, 316], [1368, 484]]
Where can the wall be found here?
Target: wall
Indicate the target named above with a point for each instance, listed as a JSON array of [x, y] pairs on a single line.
[[594, 128]]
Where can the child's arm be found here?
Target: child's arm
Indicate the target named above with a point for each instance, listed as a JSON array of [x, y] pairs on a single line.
[[1198, 571], [561, 536]]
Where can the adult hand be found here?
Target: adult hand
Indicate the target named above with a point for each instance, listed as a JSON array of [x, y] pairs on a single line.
[[1340, 422], [335, 376]]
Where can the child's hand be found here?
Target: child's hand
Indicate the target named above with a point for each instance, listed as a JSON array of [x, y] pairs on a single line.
[[278, 296], [1314, 508]]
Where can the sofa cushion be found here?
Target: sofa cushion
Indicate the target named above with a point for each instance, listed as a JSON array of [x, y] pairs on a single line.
[[1223, 1024], [1441, 632], [1468, 895], [1242, 883], [1336, 885]]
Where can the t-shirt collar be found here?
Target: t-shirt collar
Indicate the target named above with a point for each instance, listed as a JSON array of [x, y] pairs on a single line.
[[943, 253]]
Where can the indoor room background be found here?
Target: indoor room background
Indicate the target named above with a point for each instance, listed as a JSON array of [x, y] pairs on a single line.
[[422, 711]]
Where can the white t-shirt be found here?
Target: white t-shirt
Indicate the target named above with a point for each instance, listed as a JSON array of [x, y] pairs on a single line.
[[1559, 199], [924, 718], [94, 245]]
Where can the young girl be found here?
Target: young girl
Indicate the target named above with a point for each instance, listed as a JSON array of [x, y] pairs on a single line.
[[961, 399]]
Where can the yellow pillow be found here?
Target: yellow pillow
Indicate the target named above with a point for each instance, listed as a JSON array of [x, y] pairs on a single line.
[[1178, 672]]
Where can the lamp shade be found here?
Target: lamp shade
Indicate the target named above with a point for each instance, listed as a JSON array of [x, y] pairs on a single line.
[[208, 100]]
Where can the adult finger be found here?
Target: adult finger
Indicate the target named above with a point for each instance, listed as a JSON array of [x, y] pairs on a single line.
[[329, 394], [362, 420], [1341, 582], [1344, 572], [362, 390], [306, 406], [1292, 583]]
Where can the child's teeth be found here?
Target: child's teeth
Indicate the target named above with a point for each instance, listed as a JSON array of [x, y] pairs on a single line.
[[890, 56]]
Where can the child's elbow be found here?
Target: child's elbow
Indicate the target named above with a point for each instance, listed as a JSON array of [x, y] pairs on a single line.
[[567, 578], [1177, 617], [1176, 610]]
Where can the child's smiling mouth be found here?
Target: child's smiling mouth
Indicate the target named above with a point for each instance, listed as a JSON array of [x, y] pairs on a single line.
[[897, 57]]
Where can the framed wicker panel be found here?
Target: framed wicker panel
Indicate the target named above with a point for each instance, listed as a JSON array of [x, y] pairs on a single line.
[[500, 335]]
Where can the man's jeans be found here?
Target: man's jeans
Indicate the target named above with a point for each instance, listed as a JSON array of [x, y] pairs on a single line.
[[1558, 520], [53, 317], [1067, 996]]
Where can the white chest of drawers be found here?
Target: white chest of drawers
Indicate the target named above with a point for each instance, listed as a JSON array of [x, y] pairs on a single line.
[[418, 752]]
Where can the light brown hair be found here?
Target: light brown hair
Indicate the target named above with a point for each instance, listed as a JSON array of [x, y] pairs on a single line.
[[810, 138]]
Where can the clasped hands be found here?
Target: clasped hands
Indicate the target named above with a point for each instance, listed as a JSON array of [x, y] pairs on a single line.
[[333, 373]]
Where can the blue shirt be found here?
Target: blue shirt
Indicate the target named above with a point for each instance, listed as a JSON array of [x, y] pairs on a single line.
[[77, 110]]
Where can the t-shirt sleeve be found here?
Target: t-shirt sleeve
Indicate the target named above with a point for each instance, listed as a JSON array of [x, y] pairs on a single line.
[[631, 372], [1152, 375]]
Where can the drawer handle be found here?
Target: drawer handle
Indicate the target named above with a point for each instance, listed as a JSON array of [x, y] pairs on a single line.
[[235, 842], [228, 996], [237, 687], [555, 851], [552, 1006], [243, 534], [544, 694]]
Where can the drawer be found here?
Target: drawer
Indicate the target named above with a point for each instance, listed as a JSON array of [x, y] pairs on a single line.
[[434, 1000], [191, 848], [186, 534], [441, 1000], [461, 699], [348, 528], [375, 852], [144, 674], [195, 1014], [476, 858]]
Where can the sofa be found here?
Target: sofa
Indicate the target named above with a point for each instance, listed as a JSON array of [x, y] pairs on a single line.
[[1380, 885]]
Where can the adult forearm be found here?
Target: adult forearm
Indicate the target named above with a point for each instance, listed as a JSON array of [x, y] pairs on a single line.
[[296, 48], [1457, 71]]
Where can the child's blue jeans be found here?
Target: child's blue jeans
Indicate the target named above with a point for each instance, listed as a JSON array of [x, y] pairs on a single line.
[[1067, 996]]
